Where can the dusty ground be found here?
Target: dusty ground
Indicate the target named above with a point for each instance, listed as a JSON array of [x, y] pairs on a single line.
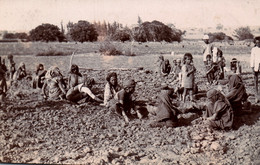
[[33, 130]]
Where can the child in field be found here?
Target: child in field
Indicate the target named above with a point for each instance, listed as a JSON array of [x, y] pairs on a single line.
[[53, 86], [74, 74], [159, 63], [166, 113], [123, 101], [21, 72], [39, 76], [83, 90], [177, 69], [235, 66], [188, 77], [221, 64], [111, 88], [10, 67], [3, 85], [166, 68], [210, 69]]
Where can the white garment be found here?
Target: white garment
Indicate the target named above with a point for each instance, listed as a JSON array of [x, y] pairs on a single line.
[[207, 50], [255, 58], [214, 54], [86, 90], [108, 94]]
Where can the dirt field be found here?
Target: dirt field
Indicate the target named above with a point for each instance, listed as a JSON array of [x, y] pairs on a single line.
[[34, 130]]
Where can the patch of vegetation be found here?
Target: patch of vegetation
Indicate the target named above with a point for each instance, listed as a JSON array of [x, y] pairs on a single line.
[[53, 53], [107, 48]]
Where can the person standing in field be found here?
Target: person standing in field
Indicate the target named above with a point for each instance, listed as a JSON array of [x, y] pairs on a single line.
[[3, 85], [159, 63], [188, 76], [207, 48], [221, 62], [111, 88], [177, 69], [74, 74], [210, 67], [254, 64], [10, 68]]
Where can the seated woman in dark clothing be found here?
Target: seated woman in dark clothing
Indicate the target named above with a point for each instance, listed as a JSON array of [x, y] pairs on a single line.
[[166, 113], [165, 68], [219, 113], [38, 78], [237, 92]]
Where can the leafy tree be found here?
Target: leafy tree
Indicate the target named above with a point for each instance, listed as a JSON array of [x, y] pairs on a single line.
[[122, 35], [9, 36], [219, 36], [243, 33], [46, 32], [21, 35], [83, 31], [156, 31]]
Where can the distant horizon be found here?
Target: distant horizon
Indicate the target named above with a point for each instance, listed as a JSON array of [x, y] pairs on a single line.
[[25, 15]]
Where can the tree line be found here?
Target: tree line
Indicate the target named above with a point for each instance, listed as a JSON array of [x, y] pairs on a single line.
[[84, 31]]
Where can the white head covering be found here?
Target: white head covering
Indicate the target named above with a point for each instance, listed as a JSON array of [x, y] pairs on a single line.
[[205, 37]]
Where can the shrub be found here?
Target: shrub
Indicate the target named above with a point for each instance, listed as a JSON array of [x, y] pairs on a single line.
[[243, 33], [107, 48], [53, 53]]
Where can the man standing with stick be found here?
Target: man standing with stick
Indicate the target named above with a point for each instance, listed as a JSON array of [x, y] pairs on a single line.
[[254, 63]]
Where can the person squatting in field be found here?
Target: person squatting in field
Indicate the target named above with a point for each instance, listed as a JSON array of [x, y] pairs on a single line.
[[166, 113], [54, 87], [165, 68], [123, 102], [21, 72], [73, 78], [39, 75], [236, 93], [255, 63], [82, 90], [111, 88], [188, 76], [219, 113], [3, 85]]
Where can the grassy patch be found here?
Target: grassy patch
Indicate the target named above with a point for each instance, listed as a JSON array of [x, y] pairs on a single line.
[[53, 53]]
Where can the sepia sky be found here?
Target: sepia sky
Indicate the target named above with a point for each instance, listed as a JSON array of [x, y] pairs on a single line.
[[24, 15]]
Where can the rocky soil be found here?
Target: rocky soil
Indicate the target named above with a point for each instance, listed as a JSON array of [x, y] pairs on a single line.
[[34, 130]]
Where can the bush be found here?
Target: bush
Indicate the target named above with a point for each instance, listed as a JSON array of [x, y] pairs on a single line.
[[219, 36], [107, 48], [53, 53], [243, 33], [156, 31]]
